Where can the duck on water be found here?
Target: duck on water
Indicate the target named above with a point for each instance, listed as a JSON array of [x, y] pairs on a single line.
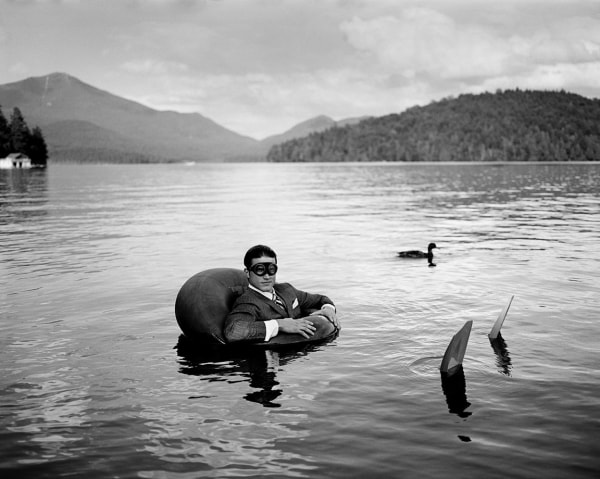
[[419, 254]]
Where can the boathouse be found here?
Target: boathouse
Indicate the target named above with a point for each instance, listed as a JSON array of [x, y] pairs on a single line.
[[15, 160]]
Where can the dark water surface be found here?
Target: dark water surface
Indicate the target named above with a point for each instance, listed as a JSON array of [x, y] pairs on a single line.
[[92, 384]]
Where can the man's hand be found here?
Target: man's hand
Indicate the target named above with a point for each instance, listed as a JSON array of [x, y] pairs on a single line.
[[300, 326], [329, 313]]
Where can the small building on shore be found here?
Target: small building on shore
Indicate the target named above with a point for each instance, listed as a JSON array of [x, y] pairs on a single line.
[[15, 160]]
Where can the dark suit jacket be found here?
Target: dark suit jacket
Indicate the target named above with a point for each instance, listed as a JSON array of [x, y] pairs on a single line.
[[245, 322]]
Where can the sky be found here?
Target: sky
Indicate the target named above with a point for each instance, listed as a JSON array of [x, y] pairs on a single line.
[[259, 67]]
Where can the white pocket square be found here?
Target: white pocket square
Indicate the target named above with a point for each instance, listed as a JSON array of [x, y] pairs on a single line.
[[295, 303]]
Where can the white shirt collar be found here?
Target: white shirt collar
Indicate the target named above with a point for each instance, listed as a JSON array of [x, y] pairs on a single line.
[[267, 294]]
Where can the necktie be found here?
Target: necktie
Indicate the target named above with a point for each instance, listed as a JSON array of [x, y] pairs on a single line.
[[278, 300]]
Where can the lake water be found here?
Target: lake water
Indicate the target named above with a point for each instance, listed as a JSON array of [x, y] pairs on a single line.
[[93, 384]]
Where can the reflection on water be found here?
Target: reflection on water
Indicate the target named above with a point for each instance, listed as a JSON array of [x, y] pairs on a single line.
[[503, 360], [455, 389], [30, 183], [23, 194], [258, 366]]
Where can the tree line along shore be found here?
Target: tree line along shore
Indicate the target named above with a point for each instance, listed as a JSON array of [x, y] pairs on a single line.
[[17, 137], [512, 125]]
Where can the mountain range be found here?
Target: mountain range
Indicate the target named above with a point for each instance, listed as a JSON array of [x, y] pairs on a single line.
[[83, 123]]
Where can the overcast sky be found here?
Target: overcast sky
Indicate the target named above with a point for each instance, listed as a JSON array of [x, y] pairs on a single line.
[[258, 67]]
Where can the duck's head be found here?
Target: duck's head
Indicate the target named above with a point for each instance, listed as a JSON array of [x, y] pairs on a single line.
[[431, 246]]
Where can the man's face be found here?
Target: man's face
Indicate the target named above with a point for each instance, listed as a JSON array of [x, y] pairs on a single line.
[[263, 283]]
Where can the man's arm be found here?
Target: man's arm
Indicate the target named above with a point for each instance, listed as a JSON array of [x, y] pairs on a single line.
[[311, 303], [241, 324]]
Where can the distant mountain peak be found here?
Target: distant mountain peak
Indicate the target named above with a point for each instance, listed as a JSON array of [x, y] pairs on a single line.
[[312, 125], [42, 86], [54, 78], [59, 79], [315, 124], [58, 76], [319, 119]]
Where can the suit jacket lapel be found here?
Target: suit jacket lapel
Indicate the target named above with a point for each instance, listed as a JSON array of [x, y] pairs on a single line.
[[286, 298], [270, 303]]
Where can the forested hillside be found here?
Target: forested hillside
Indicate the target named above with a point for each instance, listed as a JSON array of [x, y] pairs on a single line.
[[512, 125]]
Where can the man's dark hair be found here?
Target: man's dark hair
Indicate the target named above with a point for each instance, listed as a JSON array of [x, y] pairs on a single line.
[[256, 252]]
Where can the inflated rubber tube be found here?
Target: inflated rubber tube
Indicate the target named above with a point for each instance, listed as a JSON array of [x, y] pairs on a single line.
[[205, 299]]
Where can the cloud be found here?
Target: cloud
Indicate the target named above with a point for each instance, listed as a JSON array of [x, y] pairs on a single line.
[[573, 40], [422, 42]]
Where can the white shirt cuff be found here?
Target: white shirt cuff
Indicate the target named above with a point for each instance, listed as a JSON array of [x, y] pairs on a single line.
[[328, 306], [272, 329]]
